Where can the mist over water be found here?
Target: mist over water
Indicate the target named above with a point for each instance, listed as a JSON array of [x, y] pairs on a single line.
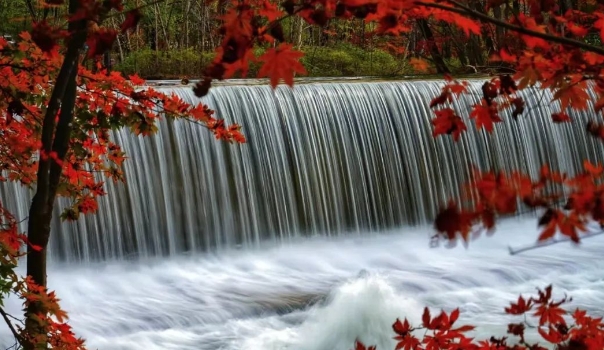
[[313, 234]]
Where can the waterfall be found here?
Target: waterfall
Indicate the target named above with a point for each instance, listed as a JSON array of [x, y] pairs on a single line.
[[321, 159]]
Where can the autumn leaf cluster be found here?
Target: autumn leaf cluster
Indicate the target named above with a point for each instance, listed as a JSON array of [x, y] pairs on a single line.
[[555, 325], [104, 102]]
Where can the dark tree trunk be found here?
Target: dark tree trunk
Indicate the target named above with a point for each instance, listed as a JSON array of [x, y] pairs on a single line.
[[499, 31], [437, 58], [54, 139]]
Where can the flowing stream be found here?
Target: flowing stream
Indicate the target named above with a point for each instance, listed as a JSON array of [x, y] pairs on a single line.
[[314, 233]]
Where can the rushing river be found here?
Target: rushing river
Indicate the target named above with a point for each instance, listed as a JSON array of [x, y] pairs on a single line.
[[318, 294]]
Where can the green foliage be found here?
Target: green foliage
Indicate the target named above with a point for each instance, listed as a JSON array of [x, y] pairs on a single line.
[[14, 17], [593, 39], [321, 61], [350, 60], [172, 64], [6, 279]]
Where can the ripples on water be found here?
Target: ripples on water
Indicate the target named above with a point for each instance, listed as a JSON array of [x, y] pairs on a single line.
[[317, 294]]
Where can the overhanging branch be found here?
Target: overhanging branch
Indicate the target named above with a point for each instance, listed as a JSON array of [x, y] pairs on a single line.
[[466, 11], [551, 242]]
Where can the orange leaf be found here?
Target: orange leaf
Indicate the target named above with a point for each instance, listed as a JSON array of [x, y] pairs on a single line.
[[468, 25], [593, 170], [548, 233], [419, 65], [574, 96]]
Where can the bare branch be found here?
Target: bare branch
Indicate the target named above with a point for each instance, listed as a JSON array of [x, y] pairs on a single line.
[[31, 9], [6, 318], [551, 242], [115, 14]]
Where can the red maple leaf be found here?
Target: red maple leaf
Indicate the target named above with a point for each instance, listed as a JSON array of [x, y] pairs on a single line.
[[281, 63], [401, 328], [552, 336], [447, 122], [520, 307], [407, 342], [360, 346], [485, 115], [550, 313]]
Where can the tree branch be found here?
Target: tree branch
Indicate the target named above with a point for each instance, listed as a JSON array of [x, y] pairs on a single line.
[[548, 243], [115, 14], [62, 135], [466, 11], [32, 12], [6, 318]]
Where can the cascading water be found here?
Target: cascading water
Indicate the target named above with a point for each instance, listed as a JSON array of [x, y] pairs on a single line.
[[352, 165], [322, 159]]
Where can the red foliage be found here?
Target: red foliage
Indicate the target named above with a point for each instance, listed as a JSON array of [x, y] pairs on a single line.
[[104, 101], [439, 333], [499, 194]]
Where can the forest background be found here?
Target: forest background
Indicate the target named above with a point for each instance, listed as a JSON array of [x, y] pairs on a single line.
[[177, 39]]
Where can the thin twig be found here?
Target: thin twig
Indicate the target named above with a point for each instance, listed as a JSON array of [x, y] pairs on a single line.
[[548, 243], [464, 10], [32, 12], [10, 325], [115, 14]]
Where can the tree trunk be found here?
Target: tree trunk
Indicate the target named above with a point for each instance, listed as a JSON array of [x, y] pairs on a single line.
[[499, 31], [49, 172], [437, 58]]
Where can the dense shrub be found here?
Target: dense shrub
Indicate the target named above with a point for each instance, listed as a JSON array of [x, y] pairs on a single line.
[[349, 60], [172, 64], [338, 61]]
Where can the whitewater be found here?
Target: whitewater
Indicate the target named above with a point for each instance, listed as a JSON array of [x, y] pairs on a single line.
[[317, 293]]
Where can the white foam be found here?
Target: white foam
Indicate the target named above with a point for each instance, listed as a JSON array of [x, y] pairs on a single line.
[[317, 294], [363, 309]]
